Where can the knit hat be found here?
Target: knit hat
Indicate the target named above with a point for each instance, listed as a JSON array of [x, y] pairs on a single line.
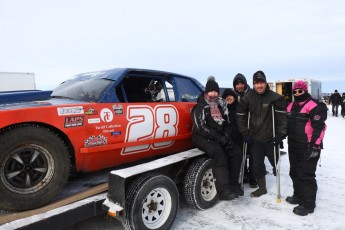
[[228, 92], [300, 85], [259, 76], [211, 85]]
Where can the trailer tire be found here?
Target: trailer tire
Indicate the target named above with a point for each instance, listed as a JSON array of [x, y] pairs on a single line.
[[34, 166], [152, 203], [199, 185]]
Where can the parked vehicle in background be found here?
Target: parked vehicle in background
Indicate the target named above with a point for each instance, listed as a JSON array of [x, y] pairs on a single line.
[[284, 87], [93, 121], [12, 81]]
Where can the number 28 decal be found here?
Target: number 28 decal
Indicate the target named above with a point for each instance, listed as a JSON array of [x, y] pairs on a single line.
[[146, 123]]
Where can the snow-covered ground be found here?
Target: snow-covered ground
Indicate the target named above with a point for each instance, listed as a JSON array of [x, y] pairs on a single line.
[[265, 213]]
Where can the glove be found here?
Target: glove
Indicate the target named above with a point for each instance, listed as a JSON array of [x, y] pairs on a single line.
[[248, 139], [277, 140], [313, 151]]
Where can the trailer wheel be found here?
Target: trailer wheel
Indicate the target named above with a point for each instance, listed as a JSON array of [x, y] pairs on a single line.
[[199, 185], [152, 203], [34, 166]]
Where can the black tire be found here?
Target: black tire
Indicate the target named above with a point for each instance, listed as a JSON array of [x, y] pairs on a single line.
[[34, 167], [199, 185], [152, 203]]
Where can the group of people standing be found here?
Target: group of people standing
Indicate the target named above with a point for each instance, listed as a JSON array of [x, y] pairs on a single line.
[[259, 120], [336, 100]]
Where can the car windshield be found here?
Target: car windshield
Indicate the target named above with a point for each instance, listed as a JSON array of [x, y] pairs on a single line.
[[82, 90]]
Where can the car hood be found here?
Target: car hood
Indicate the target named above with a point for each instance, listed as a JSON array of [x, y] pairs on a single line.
[[45, 103]]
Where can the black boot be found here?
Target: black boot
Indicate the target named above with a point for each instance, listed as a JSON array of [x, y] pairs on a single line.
[[292, 200], [262, 188], [302, 211], [238, 190], [227, 194]]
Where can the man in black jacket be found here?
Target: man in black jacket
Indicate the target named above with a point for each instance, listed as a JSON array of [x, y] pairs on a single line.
[[259, 136], [335, 100], [211, 134], [241, 88]]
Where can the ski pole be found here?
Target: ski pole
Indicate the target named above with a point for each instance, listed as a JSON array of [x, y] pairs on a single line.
[[277, 165], [244, 157]]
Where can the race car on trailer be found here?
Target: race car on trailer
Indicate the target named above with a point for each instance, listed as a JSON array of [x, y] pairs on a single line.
[[93, 121]]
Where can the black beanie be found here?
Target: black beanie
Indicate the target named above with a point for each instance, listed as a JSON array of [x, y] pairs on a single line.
[[228, 92], [259, 76], [211, 85]]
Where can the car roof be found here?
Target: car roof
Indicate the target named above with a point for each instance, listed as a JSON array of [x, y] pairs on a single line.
[[115, 74]]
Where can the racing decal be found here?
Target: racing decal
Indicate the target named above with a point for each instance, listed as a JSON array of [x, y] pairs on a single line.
[[74, 121], [63, 111], [93, 120], [149, 123], [91, 111], [106, 115], [118, 109], [115, 133], [96, 141], [107, 128]]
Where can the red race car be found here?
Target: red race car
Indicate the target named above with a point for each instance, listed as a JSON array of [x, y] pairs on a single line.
[[93, 121]]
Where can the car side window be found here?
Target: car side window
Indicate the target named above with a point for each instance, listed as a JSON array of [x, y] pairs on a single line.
[[142, 89], [188, 91]]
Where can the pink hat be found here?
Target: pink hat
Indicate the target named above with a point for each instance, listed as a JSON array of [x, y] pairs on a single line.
[[300, 85]]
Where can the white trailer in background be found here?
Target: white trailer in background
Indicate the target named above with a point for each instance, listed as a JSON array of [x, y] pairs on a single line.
[[284, 87], [13, 81]]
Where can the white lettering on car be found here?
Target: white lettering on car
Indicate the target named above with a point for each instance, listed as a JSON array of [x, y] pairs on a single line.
[[146, 123]]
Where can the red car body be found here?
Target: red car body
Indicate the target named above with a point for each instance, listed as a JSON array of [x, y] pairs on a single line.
[[100, 120]]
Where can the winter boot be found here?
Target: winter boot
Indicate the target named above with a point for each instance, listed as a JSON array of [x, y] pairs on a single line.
[[227, 194], [292, 200], [262, 188], [302, 211]]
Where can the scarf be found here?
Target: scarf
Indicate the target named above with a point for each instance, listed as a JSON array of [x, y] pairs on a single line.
[[215, 112]]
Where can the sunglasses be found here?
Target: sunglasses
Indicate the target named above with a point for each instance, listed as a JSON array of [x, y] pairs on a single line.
[[298, 91]]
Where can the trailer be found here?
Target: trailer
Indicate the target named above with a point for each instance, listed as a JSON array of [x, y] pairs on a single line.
[[284, 87], [15, 81], [146, 196]]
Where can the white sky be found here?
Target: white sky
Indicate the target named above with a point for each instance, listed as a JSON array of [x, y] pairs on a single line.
[[286, 39]]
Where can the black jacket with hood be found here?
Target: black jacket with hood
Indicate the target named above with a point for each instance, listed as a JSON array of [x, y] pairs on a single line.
[[260, 108]]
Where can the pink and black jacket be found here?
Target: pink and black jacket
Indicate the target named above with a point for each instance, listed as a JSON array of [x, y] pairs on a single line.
[[306, 123]]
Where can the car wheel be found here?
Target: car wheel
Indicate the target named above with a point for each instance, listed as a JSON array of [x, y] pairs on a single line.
[[199, 185], [34, 166], [152, 203]]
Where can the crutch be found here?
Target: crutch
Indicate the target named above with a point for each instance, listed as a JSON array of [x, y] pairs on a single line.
[[276, 164], [244, 157]]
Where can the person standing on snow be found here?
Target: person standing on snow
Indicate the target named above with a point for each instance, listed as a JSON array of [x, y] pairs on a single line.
[[259, 136], [241, 87], [343, 105], [335, 100], [306, 129], [210, 134]]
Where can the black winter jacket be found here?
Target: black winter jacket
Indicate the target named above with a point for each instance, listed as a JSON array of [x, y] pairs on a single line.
[[306, 123], [204, 125], [260, 108]]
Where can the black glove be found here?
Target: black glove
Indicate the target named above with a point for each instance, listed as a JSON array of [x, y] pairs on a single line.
[[277, 140], [312, 151], [248, 139]]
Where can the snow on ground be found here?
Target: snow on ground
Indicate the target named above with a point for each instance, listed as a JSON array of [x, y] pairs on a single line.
[[265, 213]]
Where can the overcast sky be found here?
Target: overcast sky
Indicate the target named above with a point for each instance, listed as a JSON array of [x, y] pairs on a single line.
[[286, 39]]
